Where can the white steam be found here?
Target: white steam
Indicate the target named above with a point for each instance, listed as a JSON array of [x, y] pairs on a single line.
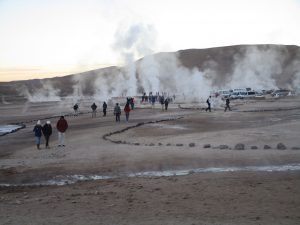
[[257, 69], [164, 73], [133, 42], [45, 93]]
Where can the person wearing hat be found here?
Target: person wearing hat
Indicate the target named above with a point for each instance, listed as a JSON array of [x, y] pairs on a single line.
[[47, 131], [38, 133]]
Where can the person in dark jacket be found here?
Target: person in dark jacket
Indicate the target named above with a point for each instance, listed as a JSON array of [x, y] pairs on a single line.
[[117, 112], [227, 105], [62, 126], [47, 131], [166, 103], [75, 107], [132, 103], [104, 106], [38, 133], [162, 102], [127, 110], [208, 101], [94, 107]]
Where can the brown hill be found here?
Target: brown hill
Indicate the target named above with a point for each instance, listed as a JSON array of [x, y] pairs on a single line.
[[280, 62]]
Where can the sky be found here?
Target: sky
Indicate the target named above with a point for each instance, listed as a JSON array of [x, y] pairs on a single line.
[[46, 38]]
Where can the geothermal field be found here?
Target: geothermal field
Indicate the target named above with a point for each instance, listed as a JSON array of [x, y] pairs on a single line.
[[180, 166]]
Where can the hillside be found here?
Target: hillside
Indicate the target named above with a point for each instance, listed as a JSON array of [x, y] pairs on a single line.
[[277, 65]]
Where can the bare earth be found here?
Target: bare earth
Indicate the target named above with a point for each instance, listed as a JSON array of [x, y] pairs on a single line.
[[237, 197]]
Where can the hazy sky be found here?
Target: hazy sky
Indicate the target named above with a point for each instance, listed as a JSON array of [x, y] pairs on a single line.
[[43, 38]]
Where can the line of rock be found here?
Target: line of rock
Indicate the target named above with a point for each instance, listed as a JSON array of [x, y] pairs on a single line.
[[106, 136]]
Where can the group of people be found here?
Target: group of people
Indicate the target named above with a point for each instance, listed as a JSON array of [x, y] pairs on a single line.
[[208, 101], [164, 102], [93, 107], [62, 124], [46, 130], [127, 108], [152, 98]]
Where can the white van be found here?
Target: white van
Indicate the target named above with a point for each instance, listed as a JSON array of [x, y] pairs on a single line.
[[224, 93], [242, 94], [247, 94]]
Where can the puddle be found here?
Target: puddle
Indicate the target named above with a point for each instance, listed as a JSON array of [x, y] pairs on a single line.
[[8, 128], [71, 179]]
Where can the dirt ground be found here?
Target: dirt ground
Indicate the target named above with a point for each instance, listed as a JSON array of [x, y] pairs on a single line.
[[154, 140]]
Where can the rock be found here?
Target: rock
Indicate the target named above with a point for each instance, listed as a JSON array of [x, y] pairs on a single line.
[[281, 146], [223, 147], [179, 145], [136, 143], [206, 146], [267, 147], [295, 148], [254, 147], [239, 146], [18, 202], [169, 144], [151, 144], [192, 144], [160, 144]]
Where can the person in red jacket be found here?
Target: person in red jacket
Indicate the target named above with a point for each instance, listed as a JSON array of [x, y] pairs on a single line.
[[62, 126], [127, 110]]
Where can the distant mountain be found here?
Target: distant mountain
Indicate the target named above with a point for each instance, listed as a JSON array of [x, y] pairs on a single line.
[[221, 65]]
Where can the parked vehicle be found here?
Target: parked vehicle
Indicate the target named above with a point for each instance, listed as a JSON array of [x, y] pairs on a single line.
[[280, 93], [234, 95], [223, 93], [239, 89], [250, 94], [243, 94]]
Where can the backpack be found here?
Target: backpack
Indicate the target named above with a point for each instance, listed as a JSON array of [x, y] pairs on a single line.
[[207, 101]]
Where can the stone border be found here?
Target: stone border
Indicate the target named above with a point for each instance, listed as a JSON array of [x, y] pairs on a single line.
[[237, 147], [106, 136]]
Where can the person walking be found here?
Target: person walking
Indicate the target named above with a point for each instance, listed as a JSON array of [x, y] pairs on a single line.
[[75, 107], [104, 106], [208, 101], [61, 126], [127, 110], [153, 101], [162, 102], [132, 103], [117, 112], [227, 105], [166, 103], [94, 108], [38, 133], [47, 131]]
